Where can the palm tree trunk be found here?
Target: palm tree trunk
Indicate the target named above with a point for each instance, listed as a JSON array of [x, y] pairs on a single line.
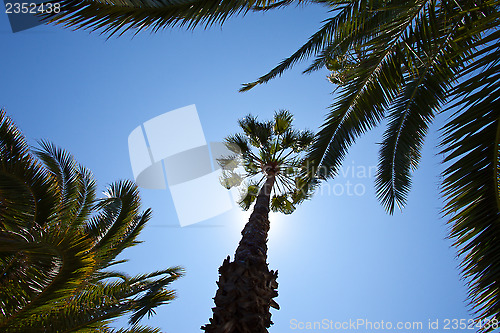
[[246, 286]]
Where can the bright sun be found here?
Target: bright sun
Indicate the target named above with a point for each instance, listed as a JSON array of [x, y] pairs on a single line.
[[277, 220]]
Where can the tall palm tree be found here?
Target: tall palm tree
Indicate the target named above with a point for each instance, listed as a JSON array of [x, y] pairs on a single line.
[[397, 60], [270, 153], [58, 243]]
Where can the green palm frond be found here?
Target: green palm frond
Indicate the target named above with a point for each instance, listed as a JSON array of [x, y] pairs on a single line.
[[104, 301], [66, 253], [409, 119], [249, 195], [137, 329], [371, 86], [23, 182], [75, 186], [345, 13], [409, 55], [12, 142], [360, 106], [120, 216], [282, 121], [283, 204], [258, 133], [305, 139], [404, 70], [56, 239], [238, 144]]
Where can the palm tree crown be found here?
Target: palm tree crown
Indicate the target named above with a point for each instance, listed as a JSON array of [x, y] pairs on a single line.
[[58, 243], [271, 149]]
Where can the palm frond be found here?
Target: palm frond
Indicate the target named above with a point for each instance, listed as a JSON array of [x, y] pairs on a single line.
[[282, 203], [359, 107], [117, 17], [314, 45], [26, 189], [137, 329], [258, 133], [249, 195], [408, 65], [70, 264], [118, 219], [52, 252], [282, 121], [471, 185], [74, 186], [412, 112]]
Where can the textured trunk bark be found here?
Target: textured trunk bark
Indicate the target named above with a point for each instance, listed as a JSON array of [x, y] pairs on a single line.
[[246, 286]]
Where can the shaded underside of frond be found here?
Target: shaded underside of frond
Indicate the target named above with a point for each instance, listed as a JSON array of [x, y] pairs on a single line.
[[118, 223], [25, 185], [117, 17], [472, 185], [359, 107], [406, 59], [425, 90]]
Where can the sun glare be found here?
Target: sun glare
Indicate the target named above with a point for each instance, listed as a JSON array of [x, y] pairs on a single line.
[[277, 221]]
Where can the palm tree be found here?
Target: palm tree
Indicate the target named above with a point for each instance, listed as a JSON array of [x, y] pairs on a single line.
[[58, 243], [270, 153], [397, 60]]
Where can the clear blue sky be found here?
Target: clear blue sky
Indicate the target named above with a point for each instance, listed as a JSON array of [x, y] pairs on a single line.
[[340, 257]]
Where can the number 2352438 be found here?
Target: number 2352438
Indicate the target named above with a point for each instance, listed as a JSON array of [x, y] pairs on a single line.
[[31, 8]]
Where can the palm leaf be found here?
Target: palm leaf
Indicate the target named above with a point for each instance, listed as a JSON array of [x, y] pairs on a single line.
[[52, 251], [117, 16], [25, 186], [471, 185]]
